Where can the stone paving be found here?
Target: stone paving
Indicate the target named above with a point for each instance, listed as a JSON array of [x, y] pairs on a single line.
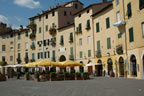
[[100, 86]]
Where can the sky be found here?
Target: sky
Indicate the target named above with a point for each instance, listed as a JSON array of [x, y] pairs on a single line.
[[16, 12]]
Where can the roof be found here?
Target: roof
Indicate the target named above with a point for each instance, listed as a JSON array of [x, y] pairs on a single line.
[[102, 8], [52, 9], [66, 26], [103, 4]]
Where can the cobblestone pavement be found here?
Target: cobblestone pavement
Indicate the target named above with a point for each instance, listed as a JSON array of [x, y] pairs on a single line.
[[102, 86]]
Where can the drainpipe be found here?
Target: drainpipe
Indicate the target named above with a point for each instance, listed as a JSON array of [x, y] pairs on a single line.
[[43, 37], [74, 44]]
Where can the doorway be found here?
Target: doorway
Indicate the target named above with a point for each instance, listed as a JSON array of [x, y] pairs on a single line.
[[61, 59], [133, 65], [110, 65], [99, 68], [121, 66]]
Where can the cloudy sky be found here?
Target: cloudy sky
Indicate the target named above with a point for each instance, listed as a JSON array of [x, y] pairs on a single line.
[[17, 12]]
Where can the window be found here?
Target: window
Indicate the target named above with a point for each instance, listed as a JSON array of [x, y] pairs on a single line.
[[11, 49], [11, 58], [80, 27], [3, 48], [80, 42], [3, 58], [39, 29], [107, 22], [87, 11], [143, 30], [88, 24], [108, 43], [48, 42], [39, 18], [79, 15], [19, 36], [33, 56], [76, 6], [53, 55], [26, 45], [26, 34], [129, 11], [62, 39], [18, 46], [71, 36], [48, 54], [89, 39], [118, 16], [97, 27], [141, 4], [117, 2], [46, 16], [11, 43], [41, 55], [45, 43], [71, 51], [81, 54], [131, 35], [98, 45], [65, 13], [89, 53], [26, 54], [46, 28], [53, 13], [38, 55], [19, 55], [11, 35]]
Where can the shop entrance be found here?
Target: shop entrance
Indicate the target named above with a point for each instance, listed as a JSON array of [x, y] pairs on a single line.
[[110, 65], [133, 65], [121, 66]]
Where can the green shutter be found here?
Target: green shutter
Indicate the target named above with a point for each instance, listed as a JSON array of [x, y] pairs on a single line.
[[119, 35], [46, 28], [97, 27], [33, 56], [71, 36], [131, 35], [26, 54], [71, 51], [108, 43], [80, 27], [98, 45], [89, 53], [107, 22], [19, 55], [39, 29], [81, 54], [129, 11]]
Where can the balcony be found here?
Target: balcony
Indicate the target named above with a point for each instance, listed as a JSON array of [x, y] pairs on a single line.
[[53, 58], [79, 30], [119, 49], [26, 59], [32, 26], [53, 41], [88, 27], [33, 47], [52, 29], [18, 60], [98, 53], [32, 35], [71, 57]]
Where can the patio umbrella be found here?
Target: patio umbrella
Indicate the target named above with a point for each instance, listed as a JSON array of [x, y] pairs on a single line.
[[46, 63], [70, 63]]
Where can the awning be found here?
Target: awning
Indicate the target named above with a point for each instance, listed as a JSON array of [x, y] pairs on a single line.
[[14, 66], [119, 23]]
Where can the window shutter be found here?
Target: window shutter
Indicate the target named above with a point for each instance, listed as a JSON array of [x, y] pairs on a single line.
[[97, 27], [107, 22], [98, 45], [89, 53], [131, 36], [108, 43], [129, 10]]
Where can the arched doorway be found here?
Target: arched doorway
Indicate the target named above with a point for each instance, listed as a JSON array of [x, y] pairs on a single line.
[[90, 68], [143, 64], [110, 65], [98, 68], [61, 59], [121, 66], [81, 68], [133, 65]]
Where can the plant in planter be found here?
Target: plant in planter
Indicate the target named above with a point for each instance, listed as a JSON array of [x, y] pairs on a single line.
[[53, 76], [3, 63], [18, 75], [27, 76], [111, 74], [78, 76], [67, 76], [52, 29], [2, 77], [36, 77], [85, 75]]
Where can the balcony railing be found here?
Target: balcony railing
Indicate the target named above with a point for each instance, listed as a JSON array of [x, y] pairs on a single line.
[[52, 29], [98, 53], [53, 42], [71, 57], [18, 60], [88, 27], [119, 49], [53, 58], [26, 60]]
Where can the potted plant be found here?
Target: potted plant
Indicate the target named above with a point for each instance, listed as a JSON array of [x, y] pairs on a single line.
[[111, 74], [36, 77], [27, 76], [18, 75], [53, 76], [67, 76], [85, 76], [2, 77], [78, 76]]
